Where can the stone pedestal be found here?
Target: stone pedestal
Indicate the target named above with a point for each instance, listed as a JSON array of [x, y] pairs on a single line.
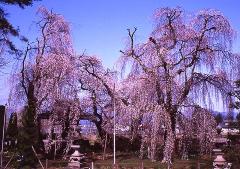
[[75, 158]]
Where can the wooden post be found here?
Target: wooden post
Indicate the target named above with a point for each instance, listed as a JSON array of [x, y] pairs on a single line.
[[105, 146], [55, 150], [198, 164], [92, 166], [37, 157], [2, 126], [46, 163], [9, 162], [114, 128]]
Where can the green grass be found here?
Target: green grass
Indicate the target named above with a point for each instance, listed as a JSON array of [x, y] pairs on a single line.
[[135, 163], [127, 161], [130, 161]]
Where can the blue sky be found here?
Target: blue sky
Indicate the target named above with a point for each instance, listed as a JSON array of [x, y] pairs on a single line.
[[99, 27]]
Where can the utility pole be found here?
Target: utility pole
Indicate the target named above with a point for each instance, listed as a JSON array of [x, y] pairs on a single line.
[[114, 127]]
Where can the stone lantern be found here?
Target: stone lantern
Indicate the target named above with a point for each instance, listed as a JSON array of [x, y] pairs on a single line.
[[75, 158], [220, 163]]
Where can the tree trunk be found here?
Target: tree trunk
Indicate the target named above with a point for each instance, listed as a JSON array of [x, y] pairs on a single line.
[[141, 155], [169, 147], [170, 125], [29, 135]]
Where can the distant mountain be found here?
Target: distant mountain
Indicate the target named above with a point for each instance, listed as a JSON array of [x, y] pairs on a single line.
[[224, 113]]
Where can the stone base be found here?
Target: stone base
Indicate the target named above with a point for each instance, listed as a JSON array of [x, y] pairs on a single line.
[[74, 164]]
